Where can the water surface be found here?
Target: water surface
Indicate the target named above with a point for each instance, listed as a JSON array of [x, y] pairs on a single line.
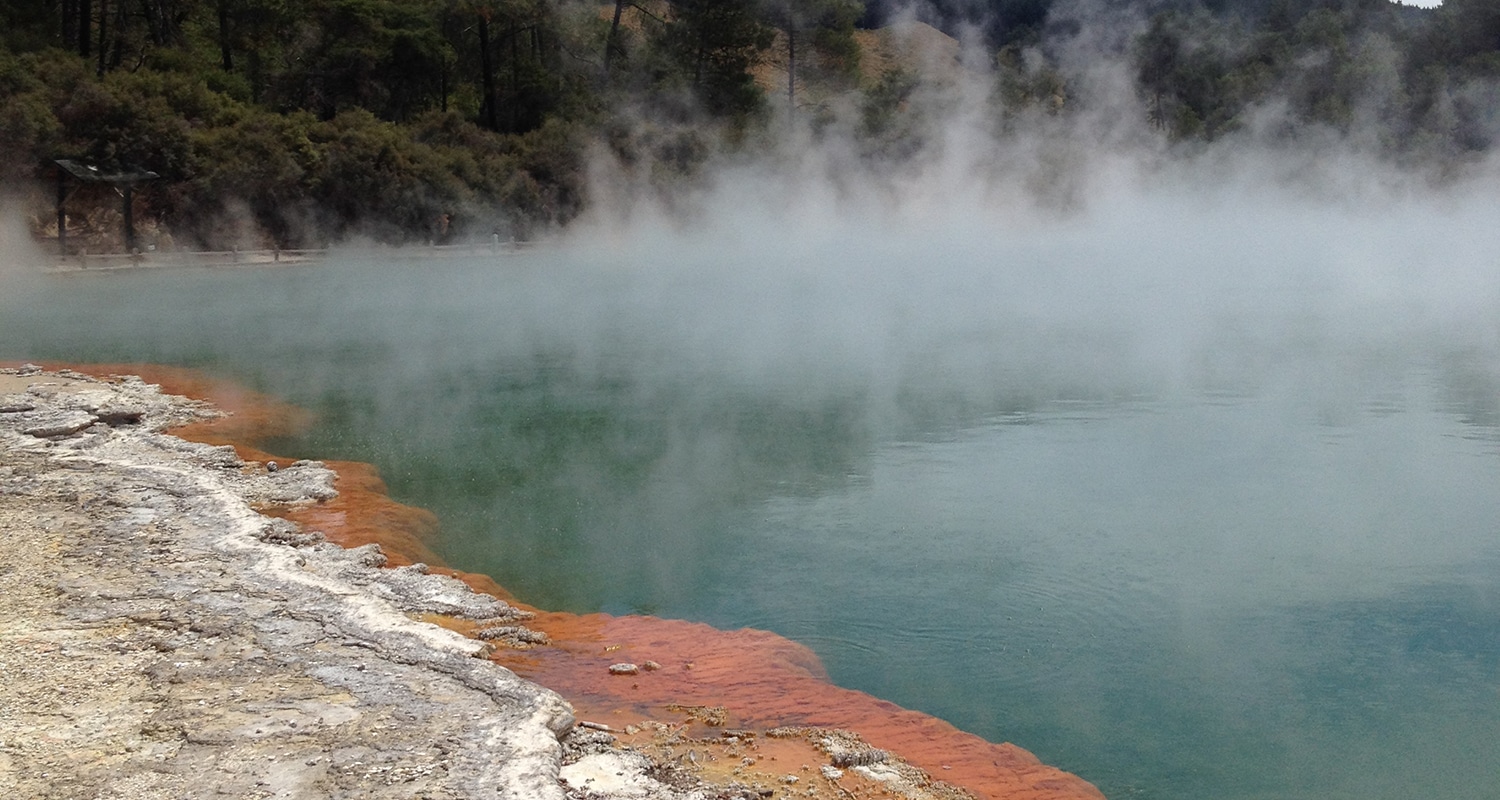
[[1204, 516]]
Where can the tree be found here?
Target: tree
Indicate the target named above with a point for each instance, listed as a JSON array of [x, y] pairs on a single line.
[[824, 30], [1158, 52], [715, 43], [517, 68], [386, 56], [611, 41]]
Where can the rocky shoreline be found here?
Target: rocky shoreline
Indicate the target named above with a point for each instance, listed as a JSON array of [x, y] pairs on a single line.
[[162, 638]]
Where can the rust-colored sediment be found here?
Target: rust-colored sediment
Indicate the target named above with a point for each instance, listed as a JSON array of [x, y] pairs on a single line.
[[761, 680]]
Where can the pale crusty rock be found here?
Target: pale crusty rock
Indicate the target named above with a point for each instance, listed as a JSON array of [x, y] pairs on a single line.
[[161, 639], [614, 774], [12, 403], [48, 423]]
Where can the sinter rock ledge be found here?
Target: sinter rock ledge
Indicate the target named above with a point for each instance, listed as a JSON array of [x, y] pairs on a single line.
[[161, 639]]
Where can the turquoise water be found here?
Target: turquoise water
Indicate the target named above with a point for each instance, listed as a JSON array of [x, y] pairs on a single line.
[[1217, 518]]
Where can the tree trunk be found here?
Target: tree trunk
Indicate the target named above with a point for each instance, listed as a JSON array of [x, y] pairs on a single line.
[[791, 70], [103, 35], [226, 52], [257, 83], [515, 79], [487, 69], [85, 26], [156, 23], [614, 30], [67, 24], [122, 19]]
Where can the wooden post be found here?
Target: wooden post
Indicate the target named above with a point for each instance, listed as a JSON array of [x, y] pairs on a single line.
[[62, 216], [130, 218]]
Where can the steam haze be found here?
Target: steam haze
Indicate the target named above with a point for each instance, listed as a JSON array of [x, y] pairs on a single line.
[[20, 257], [1176, 464], [1012, 263], [1153, 265]]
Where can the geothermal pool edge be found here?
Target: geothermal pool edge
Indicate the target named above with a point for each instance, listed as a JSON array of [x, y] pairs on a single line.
[[163, 636]]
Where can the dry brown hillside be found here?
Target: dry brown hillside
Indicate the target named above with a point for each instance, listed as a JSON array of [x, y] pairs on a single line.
[[915, 47], [912, 46]]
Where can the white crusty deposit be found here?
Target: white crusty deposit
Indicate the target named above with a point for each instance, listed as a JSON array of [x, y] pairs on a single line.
[[159, 638]]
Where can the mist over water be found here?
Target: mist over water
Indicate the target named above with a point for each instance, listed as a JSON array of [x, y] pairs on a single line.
[[1189, 484]]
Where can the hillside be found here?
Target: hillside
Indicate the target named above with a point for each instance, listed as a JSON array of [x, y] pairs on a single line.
[[270, 124]]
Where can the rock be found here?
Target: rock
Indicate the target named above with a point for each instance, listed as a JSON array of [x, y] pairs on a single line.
[[147, 583], [847, 751], [369, 555], [610, 774], [115, 414], [588, 738], [280, 531], [174, 642], [712, 716], [508, 614], [513, 635], [46, 424], [295, 483], [15, 403]]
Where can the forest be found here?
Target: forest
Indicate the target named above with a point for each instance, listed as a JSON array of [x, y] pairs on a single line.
[[299, 123]]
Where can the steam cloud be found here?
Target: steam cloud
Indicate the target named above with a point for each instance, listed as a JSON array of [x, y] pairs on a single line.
[[1078, 245]]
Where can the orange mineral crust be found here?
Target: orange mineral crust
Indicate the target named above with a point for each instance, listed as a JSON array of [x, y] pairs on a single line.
[[250, 417], [763, 681], [363, 513], [760, 680]]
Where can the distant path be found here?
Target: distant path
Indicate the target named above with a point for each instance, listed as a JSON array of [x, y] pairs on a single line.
[[180, 259]]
